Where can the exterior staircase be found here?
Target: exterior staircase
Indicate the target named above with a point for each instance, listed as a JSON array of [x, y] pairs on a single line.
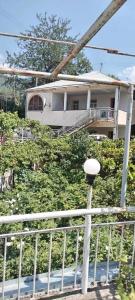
[[81, 124], [92, 116], [73, 129]]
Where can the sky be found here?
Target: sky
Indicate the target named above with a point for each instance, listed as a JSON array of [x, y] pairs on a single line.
[[18, 15]]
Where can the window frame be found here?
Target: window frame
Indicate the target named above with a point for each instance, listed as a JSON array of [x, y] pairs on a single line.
[[75, 104], [91, 103], [35, 103]]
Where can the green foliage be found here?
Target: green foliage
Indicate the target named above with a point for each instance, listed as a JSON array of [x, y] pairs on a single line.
[[8, 122], [58, 183], [126, 280]]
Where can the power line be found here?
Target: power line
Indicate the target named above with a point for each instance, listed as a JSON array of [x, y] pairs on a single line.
[[68, 43]]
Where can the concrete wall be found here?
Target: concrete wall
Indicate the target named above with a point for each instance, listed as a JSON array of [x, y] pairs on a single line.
[[122, 116], [82, 101], [123, 100], [58, 118], [103, 100], [57, 101]]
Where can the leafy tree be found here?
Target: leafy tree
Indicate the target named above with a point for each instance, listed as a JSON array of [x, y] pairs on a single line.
[[114, 76], [126, 280], [43, 56]]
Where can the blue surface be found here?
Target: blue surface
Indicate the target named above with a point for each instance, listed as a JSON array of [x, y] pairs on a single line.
[[26, 283]]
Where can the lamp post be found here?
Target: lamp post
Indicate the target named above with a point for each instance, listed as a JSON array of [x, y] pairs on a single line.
[[91, 168]]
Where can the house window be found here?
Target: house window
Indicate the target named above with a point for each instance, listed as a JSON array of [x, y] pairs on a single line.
[[35, 103], [103, 114], [75, 105], [93, 104]]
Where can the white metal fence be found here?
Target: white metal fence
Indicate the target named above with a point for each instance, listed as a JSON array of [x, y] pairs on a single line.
[[37, 262]]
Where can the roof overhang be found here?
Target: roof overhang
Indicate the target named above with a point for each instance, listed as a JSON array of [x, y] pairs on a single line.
[[47, 75], [77, 87]]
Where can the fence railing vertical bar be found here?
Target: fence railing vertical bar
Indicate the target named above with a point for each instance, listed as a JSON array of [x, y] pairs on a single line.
[[4, 268], [96, 255], [108, 255], [49, 263], [76, 258], [63, 260], [133, 253], [35, 264], [121, 245], [20, 267]]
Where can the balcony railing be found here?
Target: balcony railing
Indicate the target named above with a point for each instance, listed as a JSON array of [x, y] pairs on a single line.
[[102, 113], [37, 263], [96, 113]]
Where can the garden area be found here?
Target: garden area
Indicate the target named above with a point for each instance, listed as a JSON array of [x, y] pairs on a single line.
[[49, 176]]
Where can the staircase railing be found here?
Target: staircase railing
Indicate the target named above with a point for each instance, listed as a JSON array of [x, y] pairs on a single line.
[[92, 115]]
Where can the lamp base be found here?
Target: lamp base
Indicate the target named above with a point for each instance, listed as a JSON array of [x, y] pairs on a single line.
[[90, 179]]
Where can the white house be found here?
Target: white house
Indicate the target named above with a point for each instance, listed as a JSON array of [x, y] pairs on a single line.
[[102, 107]]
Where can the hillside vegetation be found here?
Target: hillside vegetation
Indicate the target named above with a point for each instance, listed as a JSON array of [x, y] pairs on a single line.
[[48, 176]]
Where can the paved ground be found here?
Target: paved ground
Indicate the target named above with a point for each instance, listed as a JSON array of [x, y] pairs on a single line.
[[104, 293]]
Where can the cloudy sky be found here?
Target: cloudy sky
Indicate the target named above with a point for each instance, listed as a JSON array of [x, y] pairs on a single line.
[[17, 16]]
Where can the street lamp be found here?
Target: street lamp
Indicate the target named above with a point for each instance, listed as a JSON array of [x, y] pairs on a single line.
[[91, 168]]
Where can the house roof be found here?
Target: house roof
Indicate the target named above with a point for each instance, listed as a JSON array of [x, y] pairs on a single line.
[[93, 76]]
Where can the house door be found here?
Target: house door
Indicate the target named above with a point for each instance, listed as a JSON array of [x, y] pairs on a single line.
[[112, 102]]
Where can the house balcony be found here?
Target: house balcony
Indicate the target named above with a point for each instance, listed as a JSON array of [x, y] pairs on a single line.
[[103, 116], [45, 262]]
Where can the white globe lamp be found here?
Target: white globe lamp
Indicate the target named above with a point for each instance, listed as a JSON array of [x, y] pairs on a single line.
[[91, 168]]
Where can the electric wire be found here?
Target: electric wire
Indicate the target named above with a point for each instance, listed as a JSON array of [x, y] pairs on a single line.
[[68, 43]]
